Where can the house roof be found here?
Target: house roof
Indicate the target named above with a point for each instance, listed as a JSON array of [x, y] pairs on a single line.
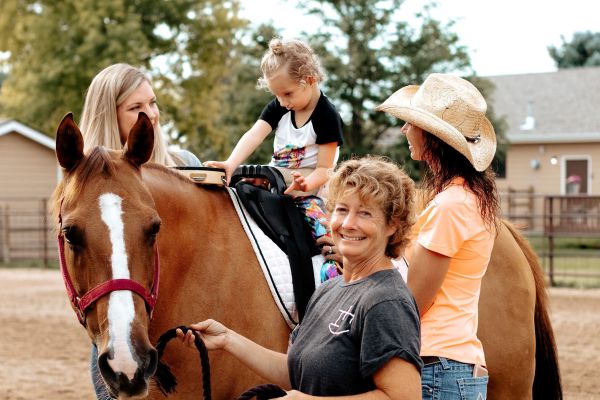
[[562, 106], [11, 125]]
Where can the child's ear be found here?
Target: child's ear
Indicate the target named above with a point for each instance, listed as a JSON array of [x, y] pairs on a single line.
[[311, 80]]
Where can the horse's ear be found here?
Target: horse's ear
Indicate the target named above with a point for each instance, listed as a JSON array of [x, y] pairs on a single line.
[[140, 142], [69, 143]]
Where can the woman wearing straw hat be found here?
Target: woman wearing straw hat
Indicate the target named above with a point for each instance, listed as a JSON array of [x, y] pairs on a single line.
[[446, 128]]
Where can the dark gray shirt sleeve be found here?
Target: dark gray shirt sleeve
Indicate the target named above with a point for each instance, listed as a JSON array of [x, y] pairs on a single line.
[[389, 331]]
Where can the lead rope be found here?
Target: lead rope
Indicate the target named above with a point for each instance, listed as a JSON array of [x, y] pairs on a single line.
[[166, 381], [164, 377]]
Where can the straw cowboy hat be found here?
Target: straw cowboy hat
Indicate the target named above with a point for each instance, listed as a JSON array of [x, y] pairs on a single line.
[[450, 108]]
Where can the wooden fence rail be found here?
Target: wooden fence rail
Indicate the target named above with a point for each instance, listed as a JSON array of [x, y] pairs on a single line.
[[27, 232]]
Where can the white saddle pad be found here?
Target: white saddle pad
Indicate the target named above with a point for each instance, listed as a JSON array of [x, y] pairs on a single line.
[[276, 266]]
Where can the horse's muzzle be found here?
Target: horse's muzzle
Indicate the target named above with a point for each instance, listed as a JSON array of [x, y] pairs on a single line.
[[119, 384]]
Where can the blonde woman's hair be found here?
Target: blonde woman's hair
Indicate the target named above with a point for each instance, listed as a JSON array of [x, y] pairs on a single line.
[[99, 125], [377, 180], [298, 58]]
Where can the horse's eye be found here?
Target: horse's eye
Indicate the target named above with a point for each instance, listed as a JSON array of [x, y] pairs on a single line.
[[73, 235]]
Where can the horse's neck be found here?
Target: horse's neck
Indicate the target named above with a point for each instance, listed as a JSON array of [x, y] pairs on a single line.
[[181, 203]]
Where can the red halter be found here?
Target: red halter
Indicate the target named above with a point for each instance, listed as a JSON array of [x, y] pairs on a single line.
[[81, 303]]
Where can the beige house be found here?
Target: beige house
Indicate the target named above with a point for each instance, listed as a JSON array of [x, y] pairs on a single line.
[[28, 175], [553, 134], [553, 130]]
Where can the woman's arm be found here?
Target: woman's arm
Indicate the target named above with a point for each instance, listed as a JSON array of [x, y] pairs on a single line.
[[269, 364], [317, 178], [244, 148], [426, 274]]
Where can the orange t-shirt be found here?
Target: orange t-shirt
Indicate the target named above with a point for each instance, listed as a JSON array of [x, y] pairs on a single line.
[[452, 226]]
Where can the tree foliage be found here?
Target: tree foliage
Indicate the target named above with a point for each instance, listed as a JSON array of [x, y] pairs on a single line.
[[582, 51], [244, 100], [56, 47], [369, 51]]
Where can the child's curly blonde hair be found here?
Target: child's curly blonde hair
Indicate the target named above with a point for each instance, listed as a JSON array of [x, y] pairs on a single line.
[[297, 56], [377, 180]]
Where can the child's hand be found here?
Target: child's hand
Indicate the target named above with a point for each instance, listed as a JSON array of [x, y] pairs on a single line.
[[298, 183], [227, 166]]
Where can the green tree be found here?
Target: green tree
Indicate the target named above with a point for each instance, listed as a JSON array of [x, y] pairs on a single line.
[[56, 47], [245, 100], [368, 52], [582, 51], [194, 89]]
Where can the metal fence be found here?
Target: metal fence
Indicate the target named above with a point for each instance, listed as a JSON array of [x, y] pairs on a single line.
[[563, 229], [26, 232]]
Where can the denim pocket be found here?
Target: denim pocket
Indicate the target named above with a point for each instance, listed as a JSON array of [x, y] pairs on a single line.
[[426, 392], [473, 388]]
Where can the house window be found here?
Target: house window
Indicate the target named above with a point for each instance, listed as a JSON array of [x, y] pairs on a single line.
[[575, 176]]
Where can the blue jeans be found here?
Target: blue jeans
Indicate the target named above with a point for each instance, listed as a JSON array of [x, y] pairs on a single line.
[[452, 380], [97, 380]]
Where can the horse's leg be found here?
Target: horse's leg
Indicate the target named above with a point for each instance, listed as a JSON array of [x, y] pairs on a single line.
[[506, 320]]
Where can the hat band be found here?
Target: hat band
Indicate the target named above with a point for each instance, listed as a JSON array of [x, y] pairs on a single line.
[[473, 139]]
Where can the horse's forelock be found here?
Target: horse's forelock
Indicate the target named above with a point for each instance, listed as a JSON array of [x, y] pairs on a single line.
[[97, 163]]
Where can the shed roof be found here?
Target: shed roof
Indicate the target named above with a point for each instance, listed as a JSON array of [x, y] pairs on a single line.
[[11, 125], [563, 106]]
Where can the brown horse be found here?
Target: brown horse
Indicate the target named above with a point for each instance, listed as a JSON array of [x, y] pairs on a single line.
[[110, 207]]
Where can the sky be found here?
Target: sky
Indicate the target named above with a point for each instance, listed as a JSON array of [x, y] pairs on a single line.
[[503, 36]]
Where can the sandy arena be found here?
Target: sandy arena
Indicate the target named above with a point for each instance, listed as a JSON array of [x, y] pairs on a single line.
[[44, 351]]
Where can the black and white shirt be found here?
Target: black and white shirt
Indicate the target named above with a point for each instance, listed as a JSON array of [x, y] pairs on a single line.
[[297, 147]]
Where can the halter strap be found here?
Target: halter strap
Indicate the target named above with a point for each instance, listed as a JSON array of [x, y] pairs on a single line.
[[81, 303]]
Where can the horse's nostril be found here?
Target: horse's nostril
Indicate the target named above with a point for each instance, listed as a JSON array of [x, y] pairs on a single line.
[[150, 365], [107, 372]]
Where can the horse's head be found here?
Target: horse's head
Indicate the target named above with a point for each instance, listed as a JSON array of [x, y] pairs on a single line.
[[107, 239]]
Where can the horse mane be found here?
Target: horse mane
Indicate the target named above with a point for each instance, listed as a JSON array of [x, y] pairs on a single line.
[[546, 384], [167, 170], [98, 161]]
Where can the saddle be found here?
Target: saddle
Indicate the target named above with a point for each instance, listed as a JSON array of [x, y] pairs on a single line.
[[283, 222]]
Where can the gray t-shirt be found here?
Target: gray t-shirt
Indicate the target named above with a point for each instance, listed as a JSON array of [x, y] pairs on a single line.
[[350, 331], [188, 158]]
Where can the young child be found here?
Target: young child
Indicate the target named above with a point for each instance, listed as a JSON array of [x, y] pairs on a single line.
[[308, 130]]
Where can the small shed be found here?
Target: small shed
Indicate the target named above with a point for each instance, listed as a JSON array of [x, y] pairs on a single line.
[[28, 175]]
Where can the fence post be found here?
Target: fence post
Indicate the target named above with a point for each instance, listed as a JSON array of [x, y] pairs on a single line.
[[5, 235], [45, 230], [549, 202]]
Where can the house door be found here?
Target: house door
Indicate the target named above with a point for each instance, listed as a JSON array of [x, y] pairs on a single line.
[[576, 176]]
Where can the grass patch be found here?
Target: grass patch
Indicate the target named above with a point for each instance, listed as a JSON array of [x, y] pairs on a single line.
[[33, 263], [576, 269]]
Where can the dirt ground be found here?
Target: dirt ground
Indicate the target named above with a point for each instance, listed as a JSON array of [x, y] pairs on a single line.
[[44, 351]]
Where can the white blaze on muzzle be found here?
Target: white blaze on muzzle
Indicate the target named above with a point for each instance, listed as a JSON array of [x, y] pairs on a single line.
[[121, 311]]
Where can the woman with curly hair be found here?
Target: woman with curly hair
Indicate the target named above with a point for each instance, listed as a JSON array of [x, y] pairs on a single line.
[[360, 334]]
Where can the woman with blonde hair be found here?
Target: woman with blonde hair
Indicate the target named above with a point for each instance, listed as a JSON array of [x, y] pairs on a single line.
[[447, 129], [113, 101]]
